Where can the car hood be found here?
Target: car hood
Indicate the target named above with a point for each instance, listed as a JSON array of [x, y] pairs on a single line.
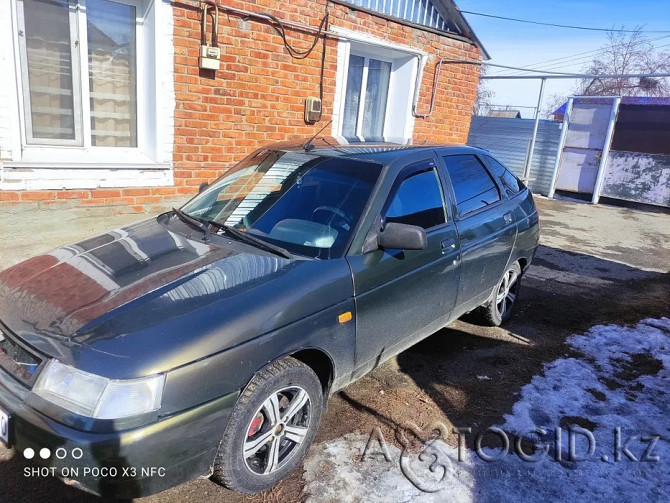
[[153, 296]]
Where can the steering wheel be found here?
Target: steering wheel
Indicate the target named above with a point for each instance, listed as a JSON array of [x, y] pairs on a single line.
[[344, 222]]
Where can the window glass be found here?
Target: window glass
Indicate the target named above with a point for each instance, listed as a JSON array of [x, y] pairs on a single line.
[[473, 186], [49, 69], [307, 204], [353, 96], [52, 53], [642, 128], [112, 73], [376, 93], [377, 76], [418, 201], [511, 183]]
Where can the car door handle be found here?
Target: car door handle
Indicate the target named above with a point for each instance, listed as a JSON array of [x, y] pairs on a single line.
[[448, 244], [508, 217]]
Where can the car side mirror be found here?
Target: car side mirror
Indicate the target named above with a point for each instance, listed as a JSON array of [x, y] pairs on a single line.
[[203, 187], [402, 237]]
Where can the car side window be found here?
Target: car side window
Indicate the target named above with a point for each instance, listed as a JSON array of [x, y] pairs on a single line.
[[473, 186], [418, 201], [511, 183]]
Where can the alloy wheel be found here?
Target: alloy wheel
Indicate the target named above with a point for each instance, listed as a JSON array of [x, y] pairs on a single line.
[[277, 429], [507, 291]]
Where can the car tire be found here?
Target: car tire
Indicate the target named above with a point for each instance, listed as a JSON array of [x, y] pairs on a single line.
[[500, 307], [266, 439]]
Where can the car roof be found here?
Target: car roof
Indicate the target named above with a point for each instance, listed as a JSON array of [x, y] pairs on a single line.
[[379, 152]]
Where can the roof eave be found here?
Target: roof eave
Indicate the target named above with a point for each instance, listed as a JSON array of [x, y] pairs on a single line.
[[448, 9]]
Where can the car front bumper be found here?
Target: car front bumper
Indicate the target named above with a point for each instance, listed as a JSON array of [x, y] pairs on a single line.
[[126, 464]]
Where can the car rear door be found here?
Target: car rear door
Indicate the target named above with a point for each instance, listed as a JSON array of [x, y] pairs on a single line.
[[486, 227], [404, 295]]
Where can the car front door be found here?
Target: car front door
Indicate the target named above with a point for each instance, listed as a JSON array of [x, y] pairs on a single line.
[[486, 227], [402, 296]]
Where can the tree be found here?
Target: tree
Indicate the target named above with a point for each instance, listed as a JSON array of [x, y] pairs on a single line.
[[551, 104], [626, 53], [484, 97]]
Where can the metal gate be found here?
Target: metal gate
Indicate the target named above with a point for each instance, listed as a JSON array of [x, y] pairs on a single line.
[[587, 136]]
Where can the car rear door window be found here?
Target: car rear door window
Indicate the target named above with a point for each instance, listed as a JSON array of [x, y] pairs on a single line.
[[473, 186], [418, 201], [510, 182]]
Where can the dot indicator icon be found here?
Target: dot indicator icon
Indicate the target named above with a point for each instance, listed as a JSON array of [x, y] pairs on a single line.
[[29, 453], [45, 453]]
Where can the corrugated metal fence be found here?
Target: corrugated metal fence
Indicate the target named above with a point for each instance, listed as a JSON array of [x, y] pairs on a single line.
[[509, 141]]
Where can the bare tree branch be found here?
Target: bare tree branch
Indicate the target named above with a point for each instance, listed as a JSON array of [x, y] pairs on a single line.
[[552, 103], [484, 96], [627, 53]]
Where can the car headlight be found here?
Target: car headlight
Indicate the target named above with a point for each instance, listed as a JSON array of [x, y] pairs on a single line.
[[98, 397]]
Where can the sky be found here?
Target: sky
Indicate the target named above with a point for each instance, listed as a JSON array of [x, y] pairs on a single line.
[[521, 44]]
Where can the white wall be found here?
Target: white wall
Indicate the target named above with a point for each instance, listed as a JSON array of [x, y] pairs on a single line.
[[9, 127], [37, 168]]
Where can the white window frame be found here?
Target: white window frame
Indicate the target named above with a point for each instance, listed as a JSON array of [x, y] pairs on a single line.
[[406, 69], [75, 51], [80, 151]]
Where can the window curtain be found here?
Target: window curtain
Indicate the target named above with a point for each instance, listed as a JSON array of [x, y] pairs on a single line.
[[49, 69], [376, 94], [353, 96], [374, 98], [112, 64]]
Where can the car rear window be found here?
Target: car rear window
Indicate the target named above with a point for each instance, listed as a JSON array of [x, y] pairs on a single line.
[[511, 183], [473, 186]]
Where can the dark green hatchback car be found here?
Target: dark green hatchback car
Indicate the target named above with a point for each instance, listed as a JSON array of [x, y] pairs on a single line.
[[205, 341]]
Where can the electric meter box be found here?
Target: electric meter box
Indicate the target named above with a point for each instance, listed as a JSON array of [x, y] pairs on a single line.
[[312, 109], [210, 57]]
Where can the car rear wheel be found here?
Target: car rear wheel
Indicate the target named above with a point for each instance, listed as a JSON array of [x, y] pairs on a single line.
[[500, 307], [270, 428]]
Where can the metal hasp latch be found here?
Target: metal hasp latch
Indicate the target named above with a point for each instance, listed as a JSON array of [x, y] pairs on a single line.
[[209, 55]]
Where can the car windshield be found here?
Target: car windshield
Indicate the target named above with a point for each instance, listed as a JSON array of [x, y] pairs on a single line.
[[303, 202]]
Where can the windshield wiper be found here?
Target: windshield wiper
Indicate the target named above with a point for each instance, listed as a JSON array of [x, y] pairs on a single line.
[[252, 240], [194, 222], [206, 225]]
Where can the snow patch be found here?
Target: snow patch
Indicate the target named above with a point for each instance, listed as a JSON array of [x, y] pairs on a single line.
[[338, 471], [622, 381]]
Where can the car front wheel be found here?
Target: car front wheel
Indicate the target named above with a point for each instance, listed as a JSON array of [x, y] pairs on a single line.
[[270, 428], [500, 307]]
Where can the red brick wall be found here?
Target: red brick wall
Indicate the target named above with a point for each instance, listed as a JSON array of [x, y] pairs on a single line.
[[258, 95], [121, 200]]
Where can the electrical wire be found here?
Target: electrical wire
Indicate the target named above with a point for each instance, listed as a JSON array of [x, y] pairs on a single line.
[[276, 23], [545, 67], [562, 65], [302, 54], [280, 27], [588, 28], [281, 31], [570, 56], [323, 57], [583, 56]]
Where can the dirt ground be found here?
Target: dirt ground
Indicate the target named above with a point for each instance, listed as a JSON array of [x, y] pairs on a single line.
[[596, 265]]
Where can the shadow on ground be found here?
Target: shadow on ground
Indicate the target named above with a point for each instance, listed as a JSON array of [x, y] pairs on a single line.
[[467, 375]]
